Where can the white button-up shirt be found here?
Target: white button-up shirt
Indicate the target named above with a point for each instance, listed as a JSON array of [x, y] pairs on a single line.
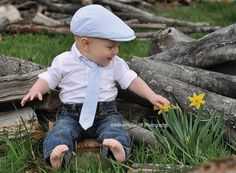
[[70, 74]]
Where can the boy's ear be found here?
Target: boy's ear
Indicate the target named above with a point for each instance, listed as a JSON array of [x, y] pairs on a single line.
[[85, 42]]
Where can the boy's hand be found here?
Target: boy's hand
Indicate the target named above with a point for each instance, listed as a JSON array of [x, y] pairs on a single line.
[[38, 89], [31, 96], [159, 101]]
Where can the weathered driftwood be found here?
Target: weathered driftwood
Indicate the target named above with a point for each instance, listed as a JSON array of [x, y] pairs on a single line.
[[152, 167], [226, 68], [129, 8], [16, 86], [145, 34], [219, 83], [215, 48], [3, 21], [130, 1], [206, 29], [26, 5], [137, 3], [16, 77], [159, 19], [48, 23], [40, 18], [5, 2], [10, 12], [124, 7], [178, 91], [84, 2], [20, 122], [148, 25], [15, 66], [226, 165], [27, 28], [140, 135], [166, 39], [62, 8], [148, 17]]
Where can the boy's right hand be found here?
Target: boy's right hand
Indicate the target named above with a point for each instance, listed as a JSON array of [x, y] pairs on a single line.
[[31, 96], [38, 89]]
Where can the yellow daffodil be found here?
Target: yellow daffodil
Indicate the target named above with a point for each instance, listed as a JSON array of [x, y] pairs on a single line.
[[162, 109], [197, 100]]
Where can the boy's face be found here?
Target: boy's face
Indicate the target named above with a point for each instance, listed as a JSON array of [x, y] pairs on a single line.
[[101, 51]]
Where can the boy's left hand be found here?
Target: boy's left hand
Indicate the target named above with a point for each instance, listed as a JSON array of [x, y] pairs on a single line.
[[159, 101]]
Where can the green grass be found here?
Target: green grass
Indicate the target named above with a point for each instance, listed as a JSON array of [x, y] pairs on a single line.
[[18, 155], [35, 47], [221, 14], [42, 49]]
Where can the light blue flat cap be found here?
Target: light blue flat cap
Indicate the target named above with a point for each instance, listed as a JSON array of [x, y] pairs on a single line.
[[96, 21]]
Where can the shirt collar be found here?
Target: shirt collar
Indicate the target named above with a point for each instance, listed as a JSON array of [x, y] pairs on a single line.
[[75, 51]]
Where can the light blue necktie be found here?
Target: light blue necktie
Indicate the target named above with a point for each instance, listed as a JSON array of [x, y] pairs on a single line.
[[91, 99]]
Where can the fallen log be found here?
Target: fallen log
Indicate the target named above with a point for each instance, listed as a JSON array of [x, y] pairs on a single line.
[[154, 37], [26, 5], [16, 77], [166, 39], [226, 68], [16, 86], [147, 25], [36, 28], [215, 48], [40, 18], [206, 29], [219, 83], [151, 18], [4, 2], [140, 135], [62, 8], [152, 167], [125, 7], [20, 122], [130, 1], [84, 2], [178, 92], [223, 34], [3, 21], [28, 28], [226, 165], [10, 12]]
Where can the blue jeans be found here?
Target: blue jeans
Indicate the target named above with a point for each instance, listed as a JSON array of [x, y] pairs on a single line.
[[68, 131]]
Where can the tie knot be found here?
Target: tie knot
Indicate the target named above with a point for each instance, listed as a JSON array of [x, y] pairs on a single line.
[[89, 63]]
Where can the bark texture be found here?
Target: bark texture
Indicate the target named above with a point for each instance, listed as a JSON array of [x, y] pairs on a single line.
[[215, 48]]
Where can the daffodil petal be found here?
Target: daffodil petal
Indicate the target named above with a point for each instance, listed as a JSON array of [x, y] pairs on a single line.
[[201, 96]]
